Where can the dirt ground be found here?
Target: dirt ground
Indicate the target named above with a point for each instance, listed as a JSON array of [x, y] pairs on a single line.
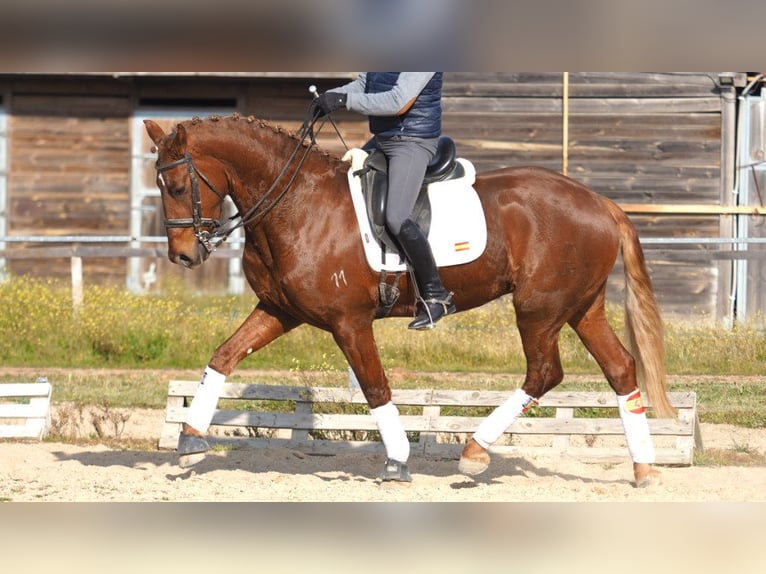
[[52, 471]]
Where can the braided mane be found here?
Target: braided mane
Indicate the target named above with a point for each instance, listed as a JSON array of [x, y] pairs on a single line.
[[259, 123]]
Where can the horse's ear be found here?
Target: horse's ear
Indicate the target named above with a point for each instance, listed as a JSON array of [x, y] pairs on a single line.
[[154, 130], [180, 142]]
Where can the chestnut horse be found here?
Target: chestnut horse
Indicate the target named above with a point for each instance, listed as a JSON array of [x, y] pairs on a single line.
[[551, 244]]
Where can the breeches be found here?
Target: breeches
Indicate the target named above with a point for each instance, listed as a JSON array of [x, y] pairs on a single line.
[[408, 159]]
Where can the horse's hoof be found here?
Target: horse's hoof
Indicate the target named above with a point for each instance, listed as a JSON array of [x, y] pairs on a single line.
[[191, 449], [395, 471], [474, 459], [645, 474], [473, 466], [189, 460]]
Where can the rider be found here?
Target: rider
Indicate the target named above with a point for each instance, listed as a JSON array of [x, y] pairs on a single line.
[[404, 110]]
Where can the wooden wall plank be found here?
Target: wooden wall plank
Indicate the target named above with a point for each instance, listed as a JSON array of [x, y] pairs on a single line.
[[69, 171], [634, 137]]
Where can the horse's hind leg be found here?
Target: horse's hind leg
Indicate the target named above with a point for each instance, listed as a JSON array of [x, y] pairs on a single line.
[[261, 327], [620, 371], [540, 341], [358, 345]]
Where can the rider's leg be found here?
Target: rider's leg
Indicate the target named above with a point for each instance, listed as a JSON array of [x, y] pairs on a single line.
[[407, 162]]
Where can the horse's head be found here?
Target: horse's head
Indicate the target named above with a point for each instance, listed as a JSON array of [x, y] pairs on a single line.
[[191, 201]]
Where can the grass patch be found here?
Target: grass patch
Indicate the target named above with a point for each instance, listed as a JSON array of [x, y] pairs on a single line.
[[719, 401], [180, 330]]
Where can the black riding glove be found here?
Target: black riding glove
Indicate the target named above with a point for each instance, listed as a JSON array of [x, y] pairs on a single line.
[[328, 102]]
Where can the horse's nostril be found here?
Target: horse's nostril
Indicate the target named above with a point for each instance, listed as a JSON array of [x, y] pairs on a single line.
[[181, 259]]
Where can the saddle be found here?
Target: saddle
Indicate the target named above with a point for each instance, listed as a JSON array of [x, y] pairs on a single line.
[[448, 210], [374, 179]]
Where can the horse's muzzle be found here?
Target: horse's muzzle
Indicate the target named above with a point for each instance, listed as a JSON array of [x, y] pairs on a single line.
[[189, 258]]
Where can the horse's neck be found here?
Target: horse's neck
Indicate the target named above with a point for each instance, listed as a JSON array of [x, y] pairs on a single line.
[[256, 158], [262, 161]]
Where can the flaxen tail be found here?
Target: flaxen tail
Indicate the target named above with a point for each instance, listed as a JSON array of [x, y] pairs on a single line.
[[642, 318]]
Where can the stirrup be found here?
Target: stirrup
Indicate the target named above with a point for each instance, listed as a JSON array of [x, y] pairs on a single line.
[[395, 471], [432, 310]]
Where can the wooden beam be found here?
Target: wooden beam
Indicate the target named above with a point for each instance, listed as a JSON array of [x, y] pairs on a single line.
[[694, 209], [565, 126]]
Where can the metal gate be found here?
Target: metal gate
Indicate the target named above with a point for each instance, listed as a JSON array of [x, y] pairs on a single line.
[[749, 273], [3, 179]]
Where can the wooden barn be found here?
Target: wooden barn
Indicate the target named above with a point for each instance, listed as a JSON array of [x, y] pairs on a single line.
[[669, 147]]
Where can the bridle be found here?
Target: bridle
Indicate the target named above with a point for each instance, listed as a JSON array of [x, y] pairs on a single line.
[[210, 240], [196, 221]]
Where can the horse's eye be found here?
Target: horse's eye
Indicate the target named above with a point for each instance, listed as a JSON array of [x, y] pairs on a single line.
[[176, 191]]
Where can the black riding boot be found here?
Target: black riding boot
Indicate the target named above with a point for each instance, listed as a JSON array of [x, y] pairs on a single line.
[[435, 300]]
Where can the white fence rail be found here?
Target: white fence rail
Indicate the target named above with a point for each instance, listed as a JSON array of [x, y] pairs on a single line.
[[25, 409]]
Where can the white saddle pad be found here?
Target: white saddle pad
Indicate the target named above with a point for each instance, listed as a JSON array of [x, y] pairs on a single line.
[[458, 232]]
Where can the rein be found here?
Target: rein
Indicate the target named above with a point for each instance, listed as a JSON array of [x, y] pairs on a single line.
[[211, 240]]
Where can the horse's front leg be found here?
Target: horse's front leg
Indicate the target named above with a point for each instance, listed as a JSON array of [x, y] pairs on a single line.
[[358, 345], [261, 327]]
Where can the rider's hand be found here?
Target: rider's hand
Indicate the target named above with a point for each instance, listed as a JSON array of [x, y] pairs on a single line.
[[328, 102]]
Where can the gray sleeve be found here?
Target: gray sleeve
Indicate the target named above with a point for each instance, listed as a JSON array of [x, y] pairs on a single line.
[[355, 86], [390, 103]]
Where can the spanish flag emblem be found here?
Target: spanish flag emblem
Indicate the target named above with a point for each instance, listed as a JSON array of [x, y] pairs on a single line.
[[463, 246], [635, 404]]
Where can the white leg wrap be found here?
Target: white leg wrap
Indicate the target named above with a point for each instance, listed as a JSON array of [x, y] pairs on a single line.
[[392, 432], [633, 415], [205, 400], [502, 417]]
